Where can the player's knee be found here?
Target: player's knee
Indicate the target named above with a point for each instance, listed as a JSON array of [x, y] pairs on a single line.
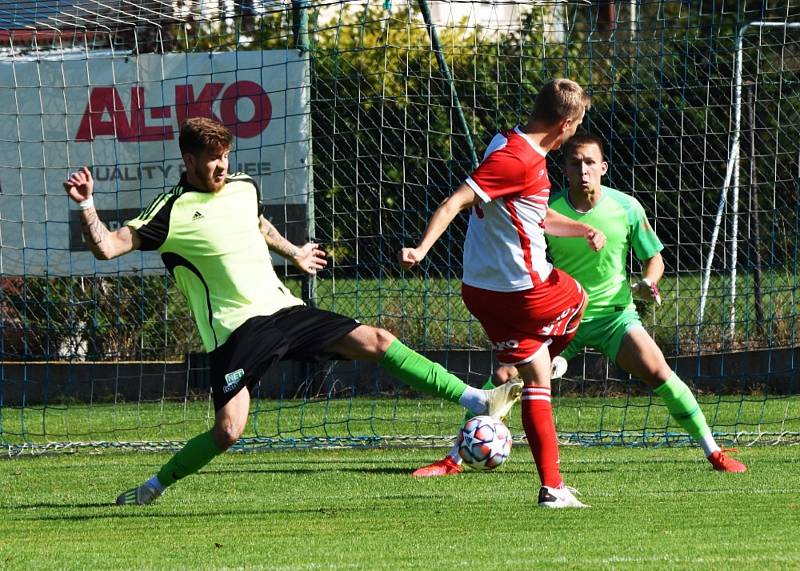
[[227, 432], [504, 374], [383, 339], [656, 375]]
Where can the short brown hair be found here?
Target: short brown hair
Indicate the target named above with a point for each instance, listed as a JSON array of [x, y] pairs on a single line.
[[580, 139], [560, 99], [200, 133]]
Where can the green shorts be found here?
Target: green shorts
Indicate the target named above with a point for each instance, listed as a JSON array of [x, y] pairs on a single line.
[[604, 334]]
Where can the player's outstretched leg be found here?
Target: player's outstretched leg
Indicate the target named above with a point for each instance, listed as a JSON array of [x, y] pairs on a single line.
[[421, 373]]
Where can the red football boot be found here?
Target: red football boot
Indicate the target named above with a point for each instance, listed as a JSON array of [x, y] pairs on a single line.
[[725, 463], [446, 467]]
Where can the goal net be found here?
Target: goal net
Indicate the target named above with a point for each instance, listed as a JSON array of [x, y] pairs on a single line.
[[357, 119]]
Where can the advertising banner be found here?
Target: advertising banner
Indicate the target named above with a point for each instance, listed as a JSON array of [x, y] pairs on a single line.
[[120, 116]]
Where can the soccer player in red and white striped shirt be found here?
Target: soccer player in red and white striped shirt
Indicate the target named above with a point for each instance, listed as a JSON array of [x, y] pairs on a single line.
[[530, 310]]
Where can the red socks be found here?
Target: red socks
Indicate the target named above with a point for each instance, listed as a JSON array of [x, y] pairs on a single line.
[[537, 419]]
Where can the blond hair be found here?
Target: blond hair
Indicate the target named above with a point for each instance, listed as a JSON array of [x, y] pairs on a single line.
[[200, 133], [560, 99]]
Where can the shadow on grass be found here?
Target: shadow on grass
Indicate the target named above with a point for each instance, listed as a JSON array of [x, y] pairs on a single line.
[[318, 470], [58, 505], [111, 511], [331, 467]]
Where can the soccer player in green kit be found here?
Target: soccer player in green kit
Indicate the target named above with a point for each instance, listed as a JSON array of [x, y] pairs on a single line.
[[611, 324], [216, 243]]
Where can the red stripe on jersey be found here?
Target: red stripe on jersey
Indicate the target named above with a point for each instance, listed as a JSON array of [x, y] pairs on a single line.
[[524, 239]]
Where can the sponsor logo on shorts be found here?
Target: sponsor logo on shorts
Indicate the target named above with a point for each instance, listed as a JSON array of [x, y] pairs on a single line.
[[548, 329], [505, 345], [232, 380]]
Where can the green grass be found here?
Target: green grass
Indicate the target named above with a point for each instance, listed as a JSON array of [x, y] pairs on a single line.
[[392, 420], [359, 509]]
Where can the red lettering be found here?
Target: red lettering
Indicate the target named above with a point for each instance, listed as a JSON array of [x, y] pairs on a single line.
[[144, 132], [187, 106], [105, 113], [262, 109], [104, 102]]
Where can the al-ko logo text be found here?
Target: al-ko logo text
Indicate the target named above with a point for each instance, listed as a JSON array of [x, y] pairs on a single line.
[[106, 114]]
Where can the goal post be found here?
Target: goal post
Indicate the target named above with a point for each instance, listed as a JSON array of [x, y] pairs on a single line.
[[357, 119], [732, 172]]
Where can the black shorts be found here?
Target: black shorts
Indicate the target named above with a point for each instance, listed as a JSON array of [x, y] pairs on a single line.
[[298, 333]]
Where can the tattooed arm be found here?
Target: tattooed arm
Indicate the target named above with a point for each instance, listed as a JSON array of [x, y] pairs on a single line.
[[103, 243], [310, 258]]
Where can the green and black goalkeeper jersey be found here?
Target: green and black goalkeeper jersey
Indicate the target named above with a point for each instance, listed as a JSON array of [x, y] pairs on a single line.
[[604, 274], [211, 244]]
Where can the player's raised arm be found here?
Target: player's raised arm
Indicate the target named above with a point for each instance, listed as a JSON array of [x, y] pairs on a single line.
[[310, 257], [464, 197], [104, 244], [557, 224]]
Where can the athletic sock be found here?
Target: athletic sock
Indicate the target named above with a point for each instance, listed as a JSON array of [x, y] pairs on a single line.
[[473, 400], [537, 419], [487, 386], [687, 412], [198, 452], [425, 375], [454, 455], [708, 444]]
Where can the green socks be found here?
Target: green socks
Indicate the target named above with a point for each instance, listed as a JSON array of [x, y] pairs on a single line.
[[421, 373], [683, 407], [198, 452]]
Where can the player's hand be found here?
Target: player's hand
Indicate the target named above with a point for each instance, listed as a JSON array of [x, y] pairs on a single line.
[[410, 256], [595, 238], [646, 290], [310, 258], [80, 185]]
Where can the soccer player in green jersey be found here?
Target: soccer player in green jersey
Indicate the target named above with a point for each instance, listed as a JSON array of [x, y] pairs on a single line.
[[611, 324], [216, 244]]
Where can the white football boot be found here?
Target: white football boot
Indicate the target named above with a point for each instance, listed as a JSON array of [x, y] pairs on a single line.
[[138, 496], [500, 400], [563, 497]]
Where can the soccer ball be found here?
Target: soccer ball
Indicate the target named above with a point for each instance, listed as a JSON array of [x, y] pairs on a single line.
[[484, 443]]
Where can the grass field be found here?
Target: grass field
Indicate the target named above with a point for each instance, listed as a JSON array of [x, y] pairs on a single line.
[[297, 422], [655, 508]]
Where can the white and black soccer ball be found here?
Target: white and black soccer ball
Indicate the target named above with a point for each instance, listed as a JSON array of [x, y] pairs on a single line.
[[484, 443]]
